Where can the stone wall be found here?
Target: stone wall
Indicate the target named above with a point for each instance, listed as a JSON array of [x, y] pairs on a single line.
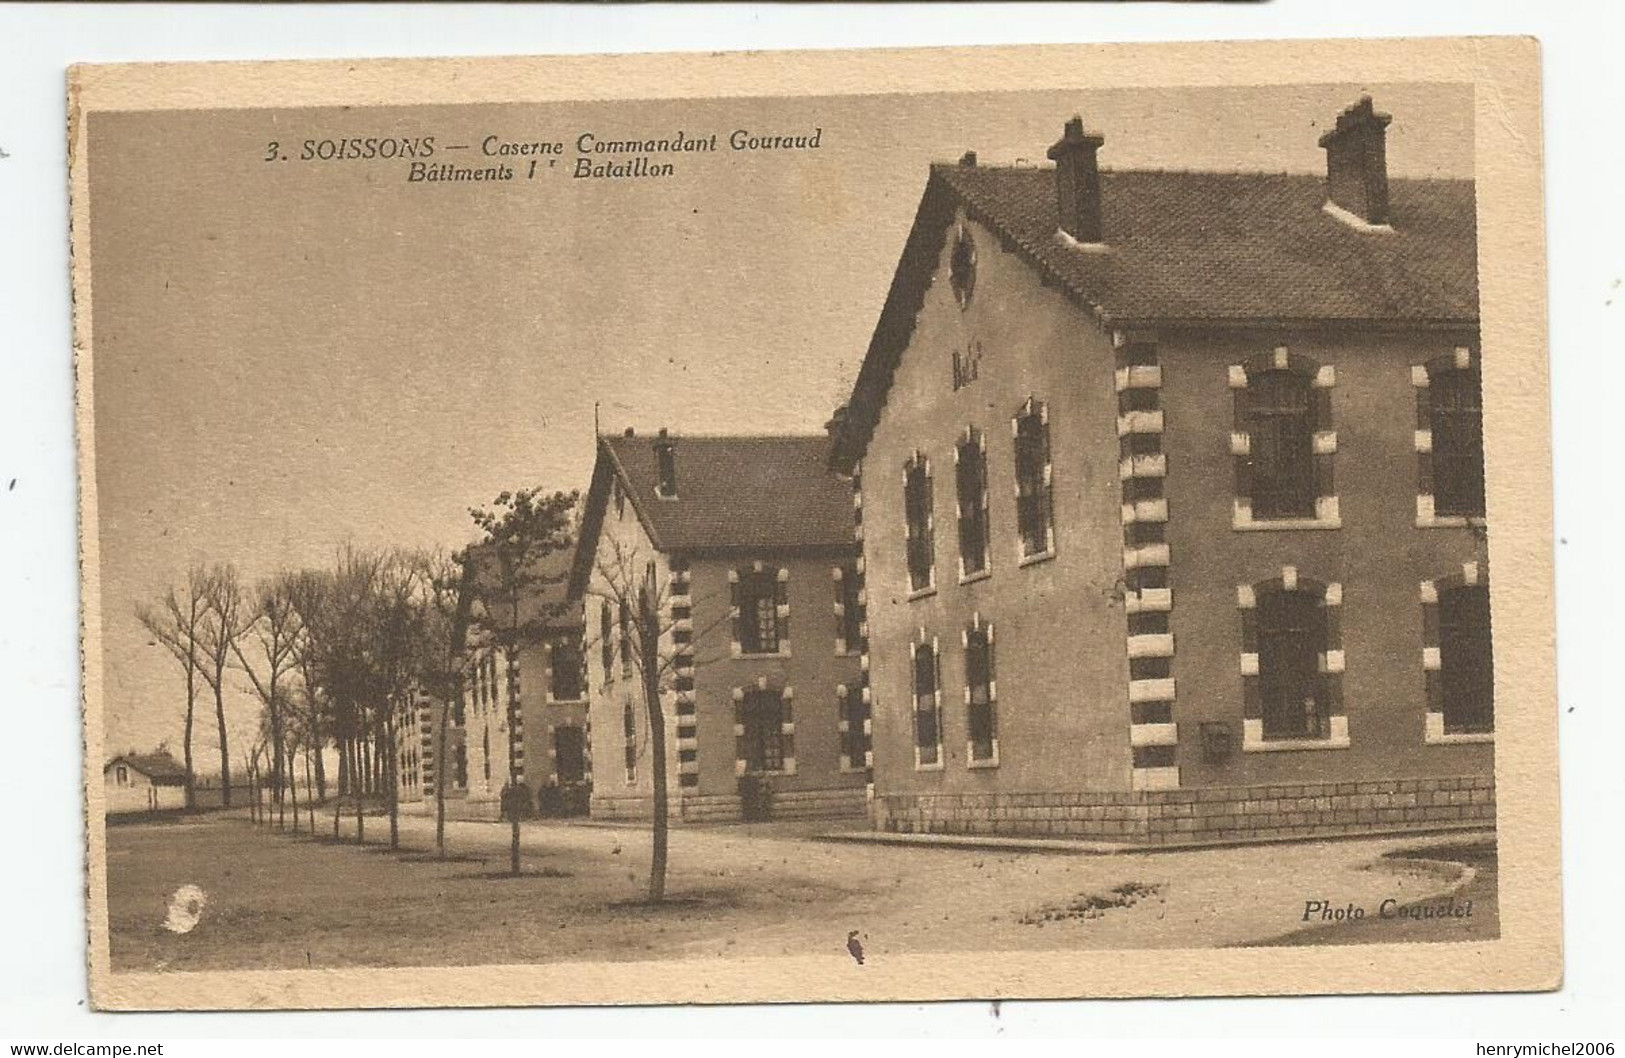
[[1062, 714], [834, 803], [1225, 814]]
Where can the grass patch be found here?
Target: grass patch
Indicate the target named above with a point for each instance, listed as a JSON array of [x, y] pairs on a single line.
[[1093, 905]]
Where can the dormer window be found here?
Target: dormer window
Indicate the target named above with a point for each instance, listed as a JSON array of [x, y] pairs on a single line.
[[666, 465]]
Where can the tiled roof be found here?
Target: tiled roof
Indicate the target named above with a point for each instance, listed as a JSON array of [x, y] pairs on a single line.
[[1210, 247], [160, 767], [762, 493], [1193, 249]]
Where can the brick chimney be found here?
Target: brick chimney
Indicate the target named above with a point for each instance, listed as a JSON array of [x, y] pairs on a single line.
[[1357, 162], [1077, 182]]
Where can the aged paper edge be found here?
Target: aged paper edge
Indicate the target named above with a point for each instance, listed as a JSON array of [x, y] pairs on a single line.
[[1505, 72]]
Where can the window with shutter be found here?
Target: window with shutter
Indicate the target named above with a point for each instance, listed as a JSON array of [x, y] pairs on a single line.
[[629, 733], [566, 675], [762, 717], [1456, 410], [917, 511], [1281, 437], [759, 628], [854, 743], [1465, 658], [849, 616], [927, 729], [982, 720], [625, 618], [971, 478], [1291, 638], [1033, 500]]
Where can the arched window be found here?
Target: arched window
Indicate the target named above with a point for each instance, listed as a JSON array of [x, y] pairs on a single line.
[[1456, 420], [1466, 668], [981, 714], [1291, 639], [1034, 500], [970, 473], [917, 503], [1280, 427], [927, 706], [606, 639]]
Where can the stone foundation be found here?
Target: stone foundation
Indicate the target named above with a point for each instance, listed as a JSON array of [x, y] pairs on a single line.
[[839, 803], [1224, 814], [456, 808]]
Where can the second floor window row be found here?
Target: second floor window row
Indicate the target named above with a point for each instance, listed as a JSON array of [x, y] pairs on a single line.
[[1035, 505]]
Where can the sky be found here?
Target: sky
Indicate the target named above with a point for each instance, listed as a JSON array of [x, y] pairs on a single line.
[[292, 355]]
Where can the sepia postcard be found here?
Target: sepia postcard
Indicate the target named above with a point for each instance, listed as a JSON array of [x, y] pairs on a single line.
[[1063, 521]]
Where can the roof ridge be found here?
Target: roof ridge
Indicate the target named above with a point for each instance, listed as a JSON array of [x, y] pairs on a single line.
[[1233, 248], [1160, 170], [718, 436]]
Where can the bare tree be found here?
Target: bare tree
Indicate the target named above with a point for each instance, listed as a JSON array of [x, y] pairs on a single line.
[[649, 637], [309, 591], [359, 654], [296, 731], [343, 634], [446, 581], [397, 648], [222, 626], [251, 772], [273, 623], [630, 583], [520, 530], [177, 626]]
